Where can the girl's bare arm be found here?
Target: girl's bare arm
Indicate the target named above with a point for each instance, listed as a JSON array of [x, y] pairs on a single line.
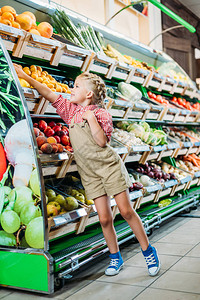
[[42, 89]]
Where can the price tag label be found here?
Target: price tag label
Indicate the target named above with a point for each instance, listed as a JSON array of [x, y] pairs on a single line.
[[59, 221]]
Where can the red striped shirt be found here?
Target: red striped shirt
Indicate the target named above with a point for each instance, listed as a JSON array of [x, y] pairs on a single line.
[[66, 110]]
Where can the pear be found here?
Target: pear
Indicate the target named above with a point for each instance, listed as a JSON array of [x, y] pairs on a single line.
[[61, 200], [71, 203]]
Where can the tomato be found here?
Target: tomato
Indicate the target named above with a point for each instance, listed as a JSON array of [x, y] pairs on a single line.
[[3, 164], [154, 96], [165, 101], [149, 94], [159, 98], [174, 99]]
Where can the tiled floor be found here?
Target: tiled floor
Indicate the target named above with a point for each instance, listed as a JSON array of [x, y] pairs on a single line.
[[178, 244]]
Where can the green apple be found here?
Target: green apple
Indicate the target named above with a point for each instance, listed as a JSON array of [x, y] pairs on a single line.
[[80, 197], [51, 210], [56, 204], [50, 194]]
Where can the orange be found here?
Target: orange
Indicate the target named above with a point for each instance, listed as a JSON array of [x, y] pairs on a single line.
[[16, 25], [34, 31], [45, 29], [8, 16], [8, 9], [27, 70], [50, 85], [39, 68], [31, 15], [34, 75], [7, 22], [25, 21], [40, 79], [33, 68]]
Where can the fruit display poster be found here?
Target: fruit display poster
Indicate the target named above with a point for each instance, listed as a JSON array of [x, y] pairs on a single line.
[[21, 220]]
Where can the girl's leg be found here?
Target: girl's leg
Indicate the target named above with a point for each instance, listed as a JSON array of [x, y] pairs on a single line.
[[132, 218], [102, 205]]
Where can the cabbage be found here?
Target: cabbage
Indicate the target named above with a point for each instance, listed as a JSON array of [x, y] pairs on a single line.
[[145, 136], [145, 125], [136, 129], [161, 136], [122, 125], [129, 91], [152, 139]]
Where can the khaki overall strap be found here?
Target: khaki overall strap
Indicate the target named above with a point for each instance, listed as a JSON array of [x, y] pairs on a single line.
[[72, 121]]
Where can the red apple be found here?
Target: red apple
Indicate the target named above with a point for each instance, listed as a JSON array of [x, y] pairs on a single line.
[[65, 129], [42, 125], [57, 138], [56, 128], [49, 132], [65, 140], [60, 133], [52, 124], [69, 148], [59, 124], [35, 125]]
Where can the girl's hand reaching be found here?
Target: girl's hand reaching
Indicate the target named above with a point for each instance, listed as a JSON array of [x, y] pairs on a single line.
[[19, 71], [42, 89]]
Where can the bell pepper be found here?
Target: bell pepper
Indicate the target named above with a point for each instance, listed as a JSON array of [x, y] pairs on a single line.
[[3, 163]]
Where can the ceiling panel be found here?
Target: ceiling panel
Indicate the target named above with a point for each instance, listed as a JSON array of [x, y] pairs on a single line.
[[193, 5]]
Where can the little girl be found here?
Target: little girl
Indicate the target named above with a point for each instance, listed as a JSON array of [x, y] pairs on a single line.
[[102, 171]]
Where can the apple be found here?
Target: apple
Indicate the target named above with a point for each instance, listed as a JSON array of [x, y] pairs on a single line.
[[65, 140], [59, 124], [56, 128], [60, 133], [69, 148], [52, 124], [35, 125], [51, 210], [42, 125], [36, 131], [65, 129], [57, 138], [49, 131]]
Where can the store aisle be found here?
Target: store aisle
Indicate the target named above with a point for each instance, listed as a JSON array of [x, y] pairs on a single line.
[[178, 244]]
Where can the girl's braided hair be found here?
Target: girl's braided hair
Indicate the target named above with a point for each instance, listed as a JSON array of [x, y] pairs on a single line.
[[97, 85]]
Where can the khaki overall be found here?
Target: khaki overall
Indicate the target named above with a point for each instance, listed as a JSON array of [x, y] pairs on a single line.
[[101, 169]]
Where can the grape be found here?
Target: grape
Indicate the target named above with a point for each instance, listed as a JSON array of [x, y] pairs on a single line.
[[24, 196], [34, 233], [7, 239], [10, 221], [34, 182], [29, 212]]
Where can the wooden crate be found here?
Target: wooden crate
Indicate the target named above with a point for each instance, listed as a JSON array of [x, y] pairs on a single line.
[[13, 38], [56, 164]]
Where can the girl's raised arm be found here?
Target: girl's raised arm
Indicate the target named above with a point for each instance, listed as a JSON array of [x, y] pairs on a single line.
[[42, 89]]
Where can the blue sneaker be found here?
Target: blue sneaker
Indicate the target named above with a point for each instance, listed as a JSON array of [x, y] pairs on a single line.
[[116, 264], [152, 260]]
